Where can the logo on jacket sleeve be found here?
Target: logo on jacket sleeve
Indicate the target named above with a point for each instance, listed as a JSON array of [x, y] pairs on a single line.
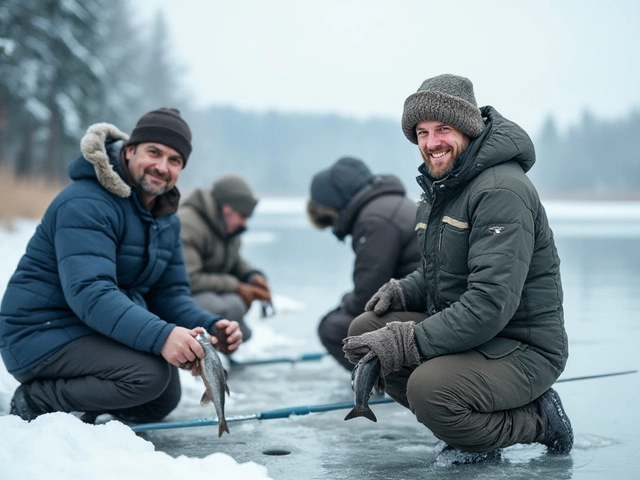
[[496, 229]]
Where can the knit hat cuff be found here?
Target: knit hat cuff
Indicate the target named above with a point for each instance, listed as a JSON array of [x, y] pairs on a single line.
[[164, 135], [243, 204], [432, 105]]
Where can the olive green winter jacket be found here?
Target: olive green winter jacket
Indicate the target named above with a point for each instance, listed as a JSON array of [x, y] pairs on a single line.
[[212, 257], [490, 277]]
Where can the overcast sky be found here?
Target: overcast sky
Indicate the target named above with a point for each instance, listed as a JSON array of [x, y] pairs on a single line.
[[529, 59]]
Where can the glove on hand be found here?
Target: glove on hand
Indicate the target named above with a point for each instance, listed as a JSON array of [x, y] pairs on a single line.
[[259, 281], [390, 297], [393, 344], [249, 293]]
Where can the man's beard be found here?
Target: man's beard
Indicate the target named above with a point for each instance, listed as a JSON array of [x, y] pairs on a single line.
[[147, 187], [443, 170], [438, 174]]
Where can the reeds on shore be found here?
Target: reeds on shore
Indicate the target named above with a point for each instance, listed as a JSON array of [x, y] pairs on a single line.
[[24, 197]]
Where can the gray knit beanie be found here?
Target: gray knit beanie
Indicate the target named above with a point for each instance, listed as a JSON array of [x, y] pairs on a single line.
[[335, 186], [234, 191], [446, 98], [166, 126]]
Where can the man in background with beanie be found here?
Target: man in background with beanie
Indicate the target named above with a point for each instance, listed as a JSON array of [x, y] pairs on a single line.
[[473, 340], [374, 210], [98, 314], [222, 282]]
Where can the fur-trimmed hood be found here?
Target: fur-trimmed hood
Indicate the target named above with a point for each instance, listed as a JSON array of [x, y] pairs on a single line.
[[100, 158]]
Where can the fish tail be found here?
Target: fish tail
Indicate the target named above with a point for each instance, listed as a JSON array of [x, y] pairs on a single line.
[[222, 427], [365, 412]]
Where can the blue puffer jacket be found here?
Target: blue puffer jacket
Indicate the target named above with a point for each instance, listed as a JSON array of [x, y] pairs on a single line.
[[98, 262]]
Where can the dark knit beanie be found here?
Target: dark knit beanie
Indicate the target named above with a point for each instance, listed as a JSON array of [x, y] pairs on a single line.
[[446, 98], [234, 191], [166, 126], [337, 185]]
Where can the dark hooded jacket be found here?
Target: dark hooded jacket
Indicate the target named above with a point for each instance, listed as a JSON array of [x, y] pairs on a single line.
[[381, 221], [490, 277], [212, 257], [98, 262]]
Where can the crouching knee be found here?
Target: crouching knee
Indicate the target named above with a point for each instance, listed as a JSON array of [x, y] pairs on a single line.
[[152, 379], [430, 403], [365, 322]]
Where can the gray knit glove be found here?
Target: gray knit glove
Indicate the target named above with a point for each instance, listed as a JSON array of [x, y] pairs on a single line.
[[393, 344], [390, 297]]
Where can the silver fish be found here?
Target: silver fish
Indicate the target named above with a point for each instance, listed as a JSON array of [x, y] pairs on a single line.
[[215, 380], [364, 378]]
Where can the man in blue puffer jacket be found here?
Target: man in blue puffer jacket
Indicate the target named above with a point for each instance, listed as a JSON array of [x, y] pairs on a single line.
[[98, 314]]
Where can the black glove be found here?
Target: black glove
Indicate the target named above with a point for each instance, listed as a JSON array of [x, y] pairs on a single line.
[[394, 345], [390, 297]]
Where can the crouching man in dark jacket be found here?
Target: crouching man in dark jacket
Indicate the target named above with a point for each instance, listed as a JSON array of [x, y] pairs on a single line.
[[375, 211], [98, 314], [473, 340]]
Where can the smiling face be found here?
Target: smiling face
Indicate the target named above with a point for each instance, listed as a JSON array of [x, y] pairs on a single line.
[[441, 146], [154, 167]]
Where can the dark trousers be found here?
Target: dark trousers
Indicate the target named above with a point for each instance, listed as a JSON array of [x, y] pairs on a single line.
[[333, 327], [95, 374], [467, 400]]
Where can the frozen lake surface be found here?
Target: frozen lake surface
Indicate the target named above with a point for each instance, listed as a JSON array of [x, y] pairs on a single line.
[[309, 270]]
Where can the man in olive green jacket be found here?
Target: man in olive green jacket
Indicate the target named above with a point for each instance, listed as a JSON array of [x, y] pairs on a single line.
[[221, 280], [473, 339]]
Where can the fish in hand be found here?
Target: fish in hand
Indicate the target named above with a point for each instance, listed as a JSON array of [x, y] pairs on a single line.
[[365, 377], [215, 379]]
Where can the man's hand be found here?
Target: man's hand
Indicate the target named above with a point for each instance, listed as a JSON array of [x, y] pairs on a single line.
[[181, 347], [394, 345], [389, 298], [249, 293], [227, 336], [261, 282]]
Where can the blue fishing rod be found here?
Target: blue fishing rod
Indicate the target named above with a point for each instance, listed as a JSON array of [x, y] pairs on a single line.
[[266, 415], [305, 357], [304, 410]]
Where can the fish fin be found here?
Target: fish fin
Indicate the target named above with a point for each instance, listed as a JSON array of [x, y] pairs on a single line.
[[196, 368], [361, 412], [222, 427], [225, 373], [205, 398], [226, 389]]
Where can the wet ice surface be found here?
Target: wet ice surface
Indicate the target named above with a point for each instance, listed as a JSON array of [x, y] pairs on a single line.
[[309, 271], [601, 283]]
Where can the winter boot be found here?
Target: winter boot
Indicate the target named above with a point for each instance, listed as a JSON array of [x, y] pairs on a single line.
[[453, 456], [558, 436], [22, 405]]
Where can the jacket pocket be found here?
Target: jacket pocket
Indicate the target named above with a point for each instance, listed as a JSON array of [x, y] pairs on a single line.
[[453, 245], [499, 347]]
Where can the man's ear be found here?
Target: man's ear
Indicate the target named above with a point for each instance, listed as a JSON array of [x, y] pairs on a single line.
[[128, 150]]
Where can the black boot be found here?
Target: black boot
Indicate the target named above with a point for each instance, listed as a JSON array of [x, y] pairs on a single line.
[[454, 456], [558, 436], [23, 406]]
